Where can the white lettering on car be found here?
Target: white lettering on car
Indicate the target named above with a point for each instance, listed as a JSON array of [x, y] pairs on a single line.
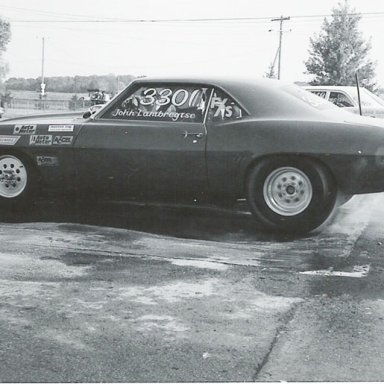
[[158, 114], [222, 108]]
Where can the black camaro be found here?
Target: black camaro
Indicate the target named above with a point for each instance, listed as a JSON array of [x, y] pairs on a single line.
[[293, 156]]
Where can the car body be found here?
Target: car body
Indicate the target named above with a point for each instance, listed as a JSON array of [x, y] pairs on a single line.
[[347, 98], [292, 155]]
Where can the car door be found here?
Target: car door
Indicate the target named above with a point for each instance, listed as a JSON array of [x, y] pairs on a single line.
[[149, 143]]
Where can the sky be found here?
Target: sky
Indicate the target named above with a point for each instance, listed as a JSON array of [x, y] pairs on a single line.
[[142, 37]]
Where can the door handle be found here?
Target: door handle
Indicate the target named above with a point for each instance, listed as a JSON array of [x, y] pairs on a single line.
[[194, 135]]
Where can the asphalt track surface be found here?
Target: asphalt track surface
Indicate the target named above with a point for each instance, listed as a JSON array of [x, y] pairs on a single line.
[[141, 293]]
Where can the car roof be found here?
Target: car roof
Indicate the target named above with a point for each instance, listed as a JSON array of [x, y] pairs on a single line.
[[331, 87], [224, 82], [260, 97], [204, 79]]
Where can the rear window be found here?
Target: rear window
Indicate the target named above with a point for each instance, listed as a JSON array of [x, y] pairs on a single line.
[[308, 97]]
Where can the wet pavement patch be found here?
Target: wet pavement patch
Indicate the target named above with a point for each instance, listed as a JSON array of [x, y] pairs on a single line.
[[105, 233], [81, 258]]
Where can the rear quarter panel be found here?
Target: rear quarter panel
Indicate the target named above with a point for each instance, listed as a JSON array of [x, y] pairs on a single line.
[[348, 150]]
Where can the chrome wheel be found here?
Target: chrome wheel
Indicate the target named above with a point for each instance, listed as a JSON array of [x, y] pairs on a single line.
[[287, 191], [13, 177]]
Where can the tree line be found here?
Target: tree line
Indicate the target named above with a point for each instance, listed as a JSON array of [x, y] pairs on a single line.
[[71, 84], [5, 37], [339, 51]]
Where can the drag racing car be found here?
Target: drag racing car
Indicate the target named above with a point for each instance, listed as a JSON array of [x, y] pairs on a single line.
[[293, 156]]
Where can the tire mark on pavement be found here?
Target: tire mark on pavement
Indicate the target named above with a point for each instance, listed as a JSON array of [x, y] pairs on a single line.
[[284, 321]]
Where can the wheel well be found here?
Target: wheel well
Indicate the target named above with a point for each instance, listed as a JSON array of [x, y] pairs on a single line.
[[290, 156]]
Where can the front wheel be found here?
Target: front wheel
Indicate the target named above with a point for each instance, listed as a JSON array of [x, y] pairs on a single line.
[[290, 194], [17, 181]]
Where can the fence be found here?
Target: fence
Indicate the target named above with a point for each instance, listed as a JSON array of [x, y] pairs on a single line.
[[57, 105]]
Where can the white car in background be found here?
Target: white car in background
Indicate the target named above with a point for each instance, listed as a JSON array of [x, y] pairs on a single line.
[[346, 97]]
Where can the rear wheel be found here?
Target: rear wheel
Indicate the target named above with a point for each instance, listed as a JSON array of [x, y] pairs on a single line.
[[17, 181], [290, 194]]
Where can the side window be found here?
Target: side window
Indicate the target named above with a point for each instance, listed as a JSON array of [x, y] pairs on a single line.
[[340, 99], [322, 94], [174, 102], [224, 108]]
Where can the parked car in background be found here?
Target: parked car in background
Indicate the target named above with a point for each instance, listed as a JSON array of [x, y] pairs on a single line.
[[1, 112], [204, 140], [347, 98]]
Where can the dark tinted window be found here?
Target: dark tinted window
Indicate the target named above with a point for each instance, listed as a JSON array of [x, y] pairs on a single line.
[[340, 99], [178, 103]]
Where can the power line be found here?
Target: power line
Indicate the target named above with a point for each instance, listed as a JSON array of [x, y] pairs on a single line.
[[50, 12], [193, 20]]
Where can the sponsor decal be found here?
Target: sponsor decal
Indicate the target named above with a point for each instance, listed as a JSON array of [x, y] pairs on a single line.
[[8, 140], [47, 161], [61, 128], [40, 140], [24, 129], [62, 140]]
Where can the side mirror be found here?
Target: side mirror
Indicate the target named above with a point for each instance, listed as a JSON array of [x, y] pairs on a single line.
[[87, 114]]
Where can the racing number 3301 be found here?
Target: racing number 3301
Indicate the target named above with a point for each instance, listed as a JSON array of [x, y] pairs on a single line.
[[177, 98]]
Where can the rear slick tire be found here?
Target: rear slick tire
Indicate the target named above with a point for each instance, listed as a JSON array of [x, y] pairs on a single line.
[[290, 194]]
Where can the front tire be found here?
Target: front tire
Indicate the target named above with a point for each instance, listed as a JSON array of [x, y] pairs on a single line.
[[290, 194], [17, 181]]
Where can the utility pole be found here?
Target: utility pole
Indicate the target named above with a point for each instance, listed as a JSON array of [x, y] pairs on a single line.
[[281, 19], [42, 68]]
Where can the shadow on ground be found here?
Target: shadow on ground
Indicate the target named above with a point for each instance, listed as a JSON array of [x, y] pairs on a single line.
[[204, 223]]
